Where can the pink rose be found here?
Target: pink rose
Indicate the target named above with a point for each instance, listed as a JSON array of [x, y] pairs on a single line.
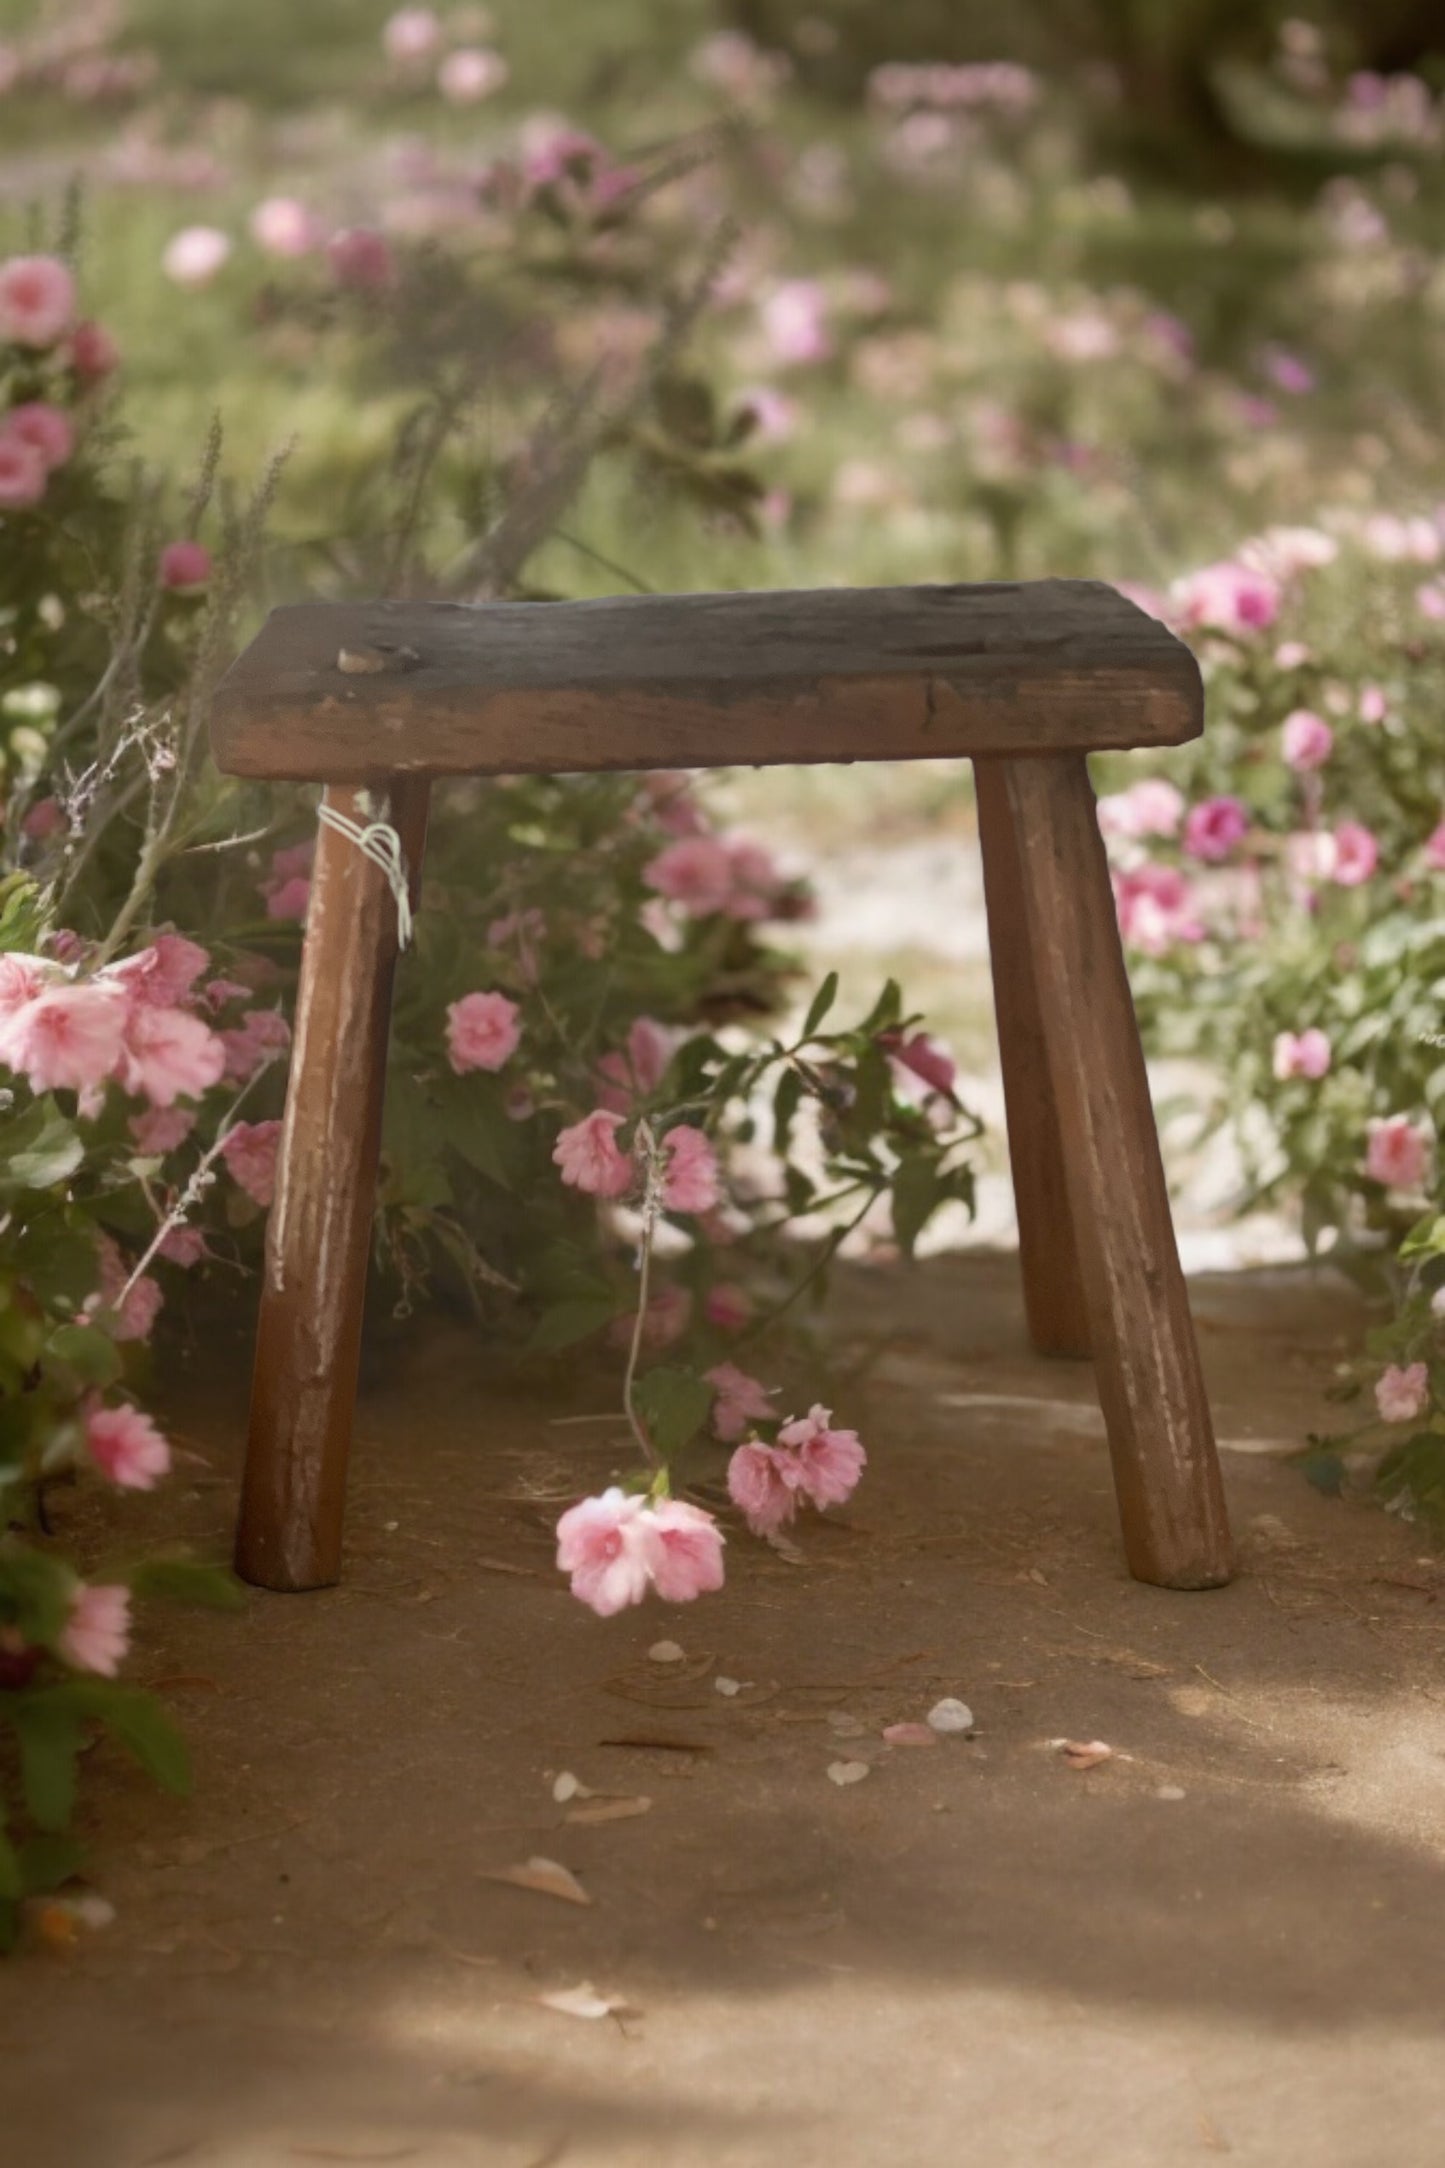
[[685, 1547], [45, 428], [761, 1485], [1214, 828], [361, 258], [829, 1461], [1306, 740], [184, 565], [470, 74], [263, 1035], [1155, 906], [1301, 1054], [690, 1182], [283, 227], [1397, 1153], [695, 873], [37, 300], [183, 1246], [616, 1547], [169, 1054], [163, 974], [126, 1447], [1357, 854], [741, 1400], [67, 1038], [794, 318], [287, 887], [192, 257], [1402, 1395], [96, 1635], [1228, 597], [93, 352], [1148, 808], [132, 1316], [482, 1032], [22, 475], [727, 1306], [250, 1155], [588, 1156], [158, 1130]]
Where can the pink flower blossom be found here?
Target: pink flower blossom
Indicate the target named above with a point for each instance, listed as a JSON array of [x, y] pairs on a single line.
[[250, 1155], [1374, 705], [588, 1156], [93, 352], [96, 1634], [130, 1316], [411, 34], [1401, 1395], [1435, 849], [829, 1461], [695, 873], [1287, 372], [794, 319], [262, 1035], [1301, 1054], [482, 1032], [283, 227], [1306, 740], [1357, 853], [673, 807], [1291, 655], [471, 73], [1397, 1153], [67, 1038], [762, 1485], [1430, 601], [184, 565], [287, 887], [362, 259], [218, 994], [192, 257], [45, 819], [741, 1400], [664, 1321], [638, 1071], [168, 1054], [126, 1447], [47, 429], [163, 974], [183, 1246], [1214, 828], [924, 1058], [755, 880], [22, 475], [21, 978], [1152, 807], [37, 300], [158, 1130], [690, 1182], [1228, 597], [1155, 906], [727, 1306], [616, 1547]]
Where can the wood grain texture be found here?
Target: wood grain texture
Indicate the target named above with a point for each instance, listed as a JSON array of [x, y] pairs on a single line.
[[1151, 1389], [344, 692], [1053, 1291], [318, 1239]]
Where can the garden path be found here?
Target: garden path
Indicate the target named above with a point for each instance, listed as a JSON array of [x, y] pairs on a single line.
[[1223, 1941]]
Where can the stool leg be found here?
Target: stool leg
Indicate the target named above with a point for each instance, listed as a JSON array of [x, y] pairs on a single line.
[[308, 1339], [1053, 1290], [1166, 1472]]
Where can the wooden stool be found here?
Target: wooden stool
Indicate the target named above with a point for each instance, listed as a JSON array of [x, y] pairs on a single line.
[[373, 700]]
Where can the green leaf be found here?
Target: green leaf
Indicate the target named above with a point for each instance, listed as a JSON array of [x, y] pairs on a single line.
[[187, 1580], [49, 1733], [39, 1149], [143, 1727], [885, 1012], [917, 1193], [1426, 1238], [474, 1122], [674, 1405], [786, 1101], [823, 1001], [12, 1881], [89, 1352]]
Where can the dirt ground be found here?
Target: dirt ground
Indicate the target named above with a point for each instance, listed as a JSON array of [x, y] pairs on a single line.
[[1223, 1942]]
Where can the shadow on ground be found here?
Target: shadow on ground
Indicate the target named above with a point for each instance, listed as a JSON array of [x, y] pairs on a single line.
[[1225, 1940]]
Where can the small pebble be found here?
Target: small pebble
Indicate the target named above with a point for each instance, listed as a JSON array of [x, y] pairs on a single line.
[[1170, 1791], [910, 1735], [847, 1772], [950, 1715], [666, 1652], [565, 1787], [728, 1687]]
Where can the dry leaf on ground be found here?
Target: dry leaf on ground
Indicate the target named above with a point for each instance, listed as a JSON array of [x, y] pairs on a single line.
[[546, 1876], [1085, 1753], [604, 1808], [847, 1772], [581, 2001], [909, 1735]]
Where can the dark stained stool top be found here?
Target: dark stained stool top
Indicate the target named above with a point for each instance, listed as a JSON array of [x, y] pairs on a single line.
[[348, 692]]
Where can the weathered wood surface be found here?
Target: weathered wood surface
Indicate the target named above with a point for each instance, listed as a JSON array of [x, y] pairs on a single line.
[[1161, 1438], [1053, 1291], [308, 1338], [347, 692]]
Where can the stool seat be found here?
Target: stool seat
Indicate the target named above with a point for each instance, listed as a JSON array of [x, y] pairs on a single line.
[[341, 692], [375, 700]]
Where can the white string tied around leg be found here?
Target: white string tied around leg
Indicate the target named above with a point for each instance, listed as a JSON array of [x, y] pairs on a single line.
[[380, 843]]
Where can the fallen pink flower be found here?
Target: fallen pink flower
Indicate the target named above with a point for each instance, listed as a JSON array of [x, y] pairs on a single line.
[[96, 1634], [762, 1485], [616, 1547], [909, 1735], [126, 1447], [1402, 1395], [829, 1461]]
